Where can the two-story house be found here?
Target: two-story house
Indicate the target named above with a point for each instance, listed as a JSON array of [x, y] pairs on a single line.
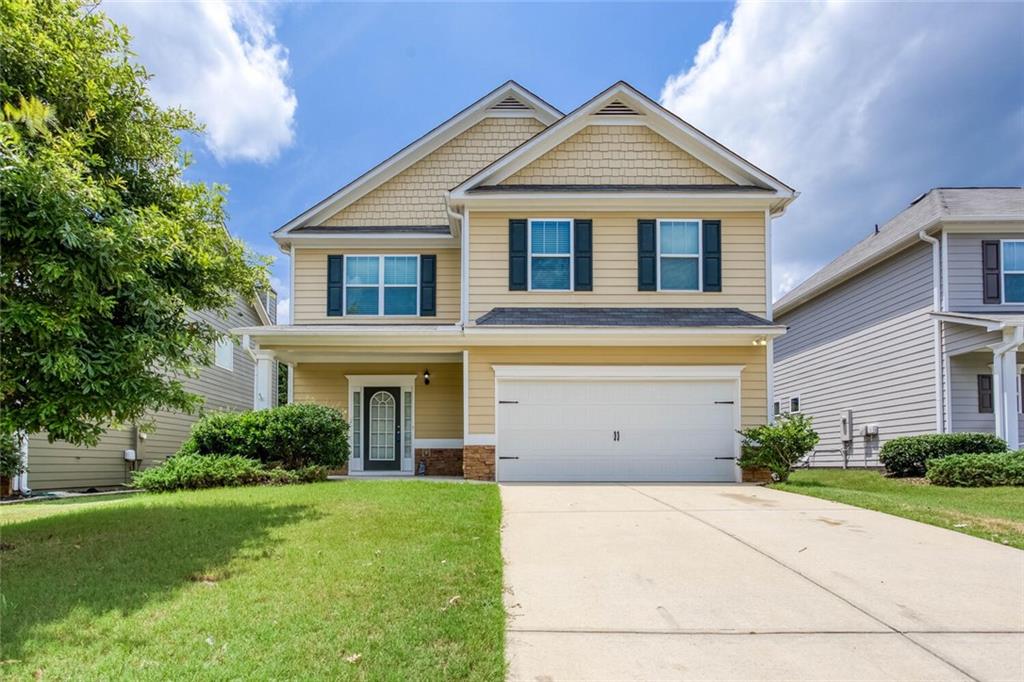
[[916, 329], [526, 295]]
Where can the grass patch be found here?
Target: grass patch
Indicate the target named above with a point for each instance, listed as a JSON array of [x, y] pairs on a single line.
[[354, 580], [995, 514]]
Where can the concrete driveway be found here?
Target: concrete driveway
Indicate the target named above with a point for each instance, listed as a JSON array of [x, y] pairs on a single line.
[[649, 582]]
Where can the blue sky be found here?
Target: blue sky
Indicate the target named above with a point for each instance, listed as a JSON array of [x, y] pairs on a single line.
[[861, 107]]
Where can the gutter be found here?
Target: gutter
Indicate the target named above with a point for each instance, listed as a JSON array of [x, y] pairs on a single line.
[[463, 235]]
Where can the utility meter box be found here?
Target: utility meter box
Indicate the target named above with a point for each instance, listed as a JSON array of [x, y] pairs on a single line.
[[846, 426], [129, 455], [870, 431]]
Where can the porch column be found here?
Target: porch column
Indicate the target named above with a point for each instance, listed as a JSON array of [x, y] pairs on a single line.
[[263, 395], [1006, 366]]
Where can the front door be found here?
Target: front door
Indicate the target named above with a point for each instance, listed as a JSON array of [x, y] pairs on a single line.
[[382, 426]]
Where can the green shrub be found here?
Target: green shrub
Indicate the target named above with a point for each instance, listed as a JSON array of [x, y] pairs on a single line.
[[191, 472], [292, 436], [10, 456], [778, 446], [906, 456], [977, 471]]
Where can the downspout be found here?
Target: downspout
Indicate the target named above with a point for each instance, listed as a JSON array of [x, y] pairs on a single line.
[[20, 482], [769, 313], [463, 260], [940, 417]]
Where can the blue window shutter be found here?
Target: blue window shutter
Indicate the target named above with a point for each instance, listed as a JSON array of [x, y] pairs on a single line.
[[712, 255], [647, 255], [583, 255], [428, 286], [335, 286], [517, 255], [991, 271]]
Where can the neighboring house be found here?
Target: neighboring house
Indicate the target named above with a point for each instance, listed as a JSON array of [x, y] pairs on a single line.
[[914, 330], [228, 384], [526, 295]]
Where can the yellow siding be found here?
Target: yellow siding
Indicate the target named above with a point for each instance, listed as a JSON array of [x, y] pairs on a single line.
[[603, 154], [416, 195], [753, 388], [309, 301], [438, 411], [615, 271]]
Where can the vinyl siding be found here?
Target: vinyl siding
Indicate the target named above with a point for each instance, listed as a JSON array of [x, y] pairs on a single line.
[[438, 407], [62, 465], [309, 302], [615, 266], [613, 154], [963, 373], [753, 402], [416, 195], [867, 346], [964, 275]]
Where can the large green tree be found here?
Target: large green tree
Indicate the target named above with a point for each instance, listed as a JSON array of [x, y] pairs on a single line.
[[104, 246]]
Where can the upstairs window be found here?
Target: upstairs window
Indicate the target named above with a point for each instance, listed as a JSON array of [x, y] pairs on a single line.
[[550, 255], [224, 354], [794, 404], [1013, 271], [679, 247], [381, 285]]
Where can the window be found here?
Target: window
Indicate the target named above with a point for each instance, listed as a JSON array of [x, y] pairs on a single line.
[[985, 396], [1013, 271], [679, 246], [224, 354], [381, 285], [550, 255], [794, 404], [776, 408]]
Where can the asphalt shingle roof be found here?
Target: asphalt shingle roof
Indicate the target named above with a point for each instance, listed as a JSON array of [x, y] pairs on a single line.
[[620, 317]]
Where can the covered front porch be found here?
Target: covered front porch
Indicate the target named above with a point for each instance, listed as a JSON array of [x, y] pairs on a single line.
[[983, 363]]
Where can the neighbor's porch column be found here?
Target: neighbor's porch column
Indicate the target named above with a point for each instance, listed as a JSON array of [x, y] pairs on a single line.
[[1006, 366], [264, 380]]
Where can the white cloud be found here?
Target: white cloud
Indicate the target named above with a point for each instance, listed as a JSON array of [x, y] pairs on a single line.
[[283, 299], [221, 61], [861, 107]]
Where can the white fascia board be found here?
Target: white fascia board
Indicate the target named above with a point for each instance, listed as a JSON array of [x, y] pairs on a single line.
[[617, 372], [627, 336], [642, 201], [415, 151], [991, 323], [656, 117]]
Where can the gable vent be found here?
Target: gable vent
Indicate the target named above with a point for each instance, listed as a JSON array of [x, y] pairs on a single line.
[[510, 103], [617, 108]]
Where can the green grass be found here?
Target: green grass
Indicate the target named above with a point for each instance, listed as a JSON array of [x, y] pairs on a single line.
[[995, 514], [382, 580]]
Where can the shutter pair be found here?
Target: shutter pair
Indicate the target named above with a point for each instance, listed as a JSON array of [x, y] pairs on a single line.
[[582, 254], [647, 255], [336, 286]]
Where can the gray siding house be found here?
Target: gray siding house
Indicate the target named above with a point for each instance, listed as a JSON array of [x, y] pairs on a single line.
[[227, 385], [916, 329]]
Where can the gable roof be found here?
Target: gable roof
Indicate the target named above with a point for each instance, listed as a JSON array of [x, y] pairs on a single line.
[[508, 99], [939, 205], [623, 103]]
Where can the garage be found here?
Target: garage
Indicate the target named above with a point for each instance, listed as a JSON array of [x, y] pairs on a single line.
[[645, 423]]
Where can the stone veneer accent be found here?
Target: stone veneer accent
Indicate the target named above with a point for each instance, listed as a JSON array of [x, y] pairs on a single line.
[[757, 475], [478, 462], [440, 461]]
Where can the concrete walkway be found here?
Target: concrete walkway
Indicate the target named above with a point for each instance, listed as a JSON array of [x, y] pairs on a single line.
[[730, 582]]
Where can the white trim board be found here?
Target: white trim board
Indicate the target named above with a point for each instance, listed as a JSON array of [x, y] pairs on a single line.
[[618, 372], [404, 382]]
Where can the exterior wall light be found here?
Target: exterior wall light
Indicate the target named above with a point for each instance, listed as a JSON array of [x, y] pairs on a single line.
[[426, 377]]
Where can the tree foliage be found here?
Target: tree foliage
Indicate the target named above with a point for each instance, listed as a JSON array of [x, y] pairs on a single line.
[[778, 446], [104, 246]]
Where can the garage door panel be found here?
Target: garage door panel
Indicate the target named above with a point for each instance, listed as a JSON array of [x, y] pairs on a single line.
[[667, 430]]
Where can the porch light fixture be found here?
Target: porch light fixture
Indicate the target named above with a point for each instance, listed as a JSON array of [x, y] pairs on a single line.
[[426, 377], [760, 341]]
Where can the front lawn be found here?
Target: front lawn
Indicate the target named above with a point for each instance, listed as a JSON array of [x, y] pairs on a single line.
[[995, 514], [356, 580]]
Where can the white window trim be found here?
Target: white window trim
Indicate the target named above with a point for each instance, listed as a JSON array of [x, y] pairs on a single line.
[[1003, 272], [799, 404], [776, 408], [381, 286], [221, 343], [403, 382], [699, 255], [529, 253]]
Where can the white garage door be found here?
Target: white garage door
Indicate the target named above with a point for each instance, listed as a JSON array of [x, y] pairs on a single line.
[[578, 429]]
